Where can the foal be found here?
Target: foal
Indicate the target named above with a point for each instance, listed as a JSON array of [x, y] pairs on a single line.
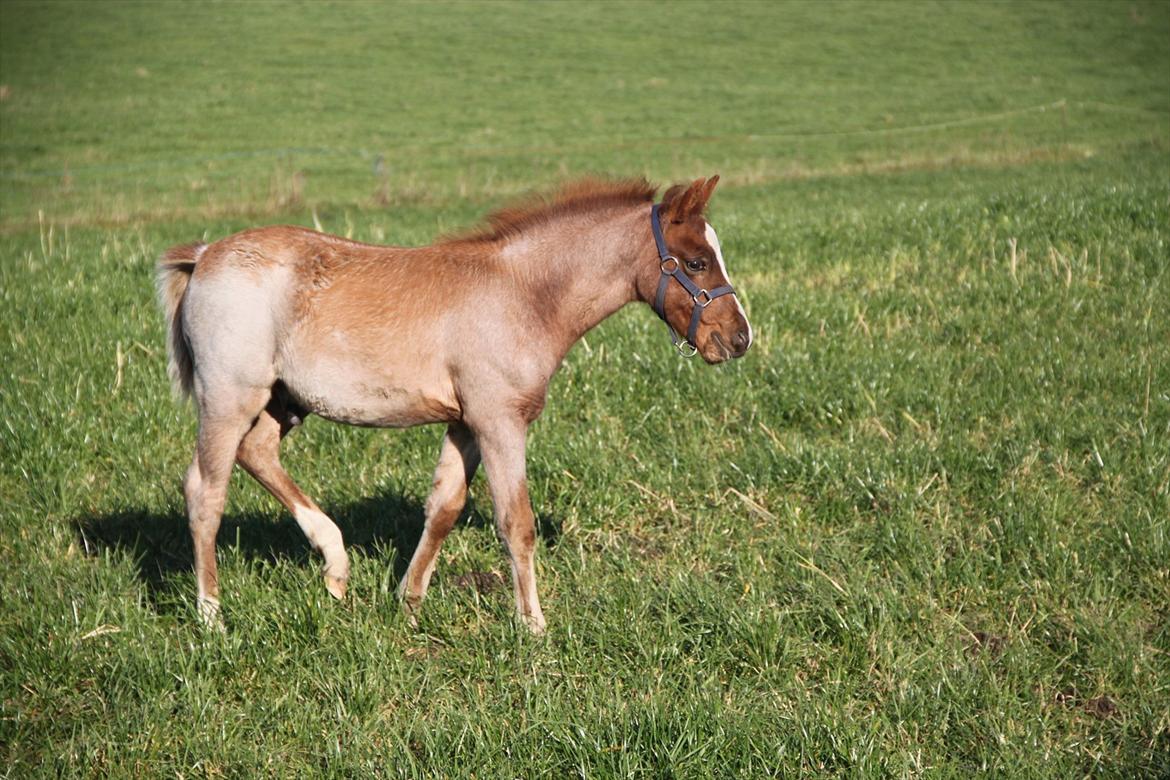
[[272, 324]]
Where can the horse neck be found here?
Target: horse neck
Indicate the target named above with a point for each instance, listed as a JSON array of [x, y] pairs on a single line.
[[579, 271]]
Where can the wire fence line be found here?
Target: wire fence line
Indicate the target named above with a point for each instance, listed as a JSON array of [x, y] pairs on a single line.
[[376, 159]]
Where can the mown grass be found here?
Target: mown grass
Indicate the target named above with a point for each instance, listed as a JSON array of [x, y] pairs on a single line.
[[922, 529]]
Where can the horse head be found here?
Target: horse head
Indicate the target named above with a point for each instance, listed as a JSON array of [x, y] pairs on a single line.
[[702, 305]]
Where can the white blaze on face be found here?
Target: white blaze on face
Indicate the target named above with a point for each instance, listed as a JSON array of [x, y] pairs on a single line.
[[713, 240]]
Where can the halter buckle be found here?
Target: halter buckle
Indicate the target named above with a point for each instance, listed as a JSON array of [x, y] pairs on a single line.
[[701, 294]]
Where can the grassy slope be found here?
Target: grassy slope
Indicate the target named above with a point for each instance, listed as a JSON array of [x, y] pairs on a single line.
[[122, 109], [923, 529]]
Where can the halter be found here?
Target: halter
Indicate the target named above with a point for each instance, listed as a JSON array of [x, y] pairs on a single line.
[[702, 298]]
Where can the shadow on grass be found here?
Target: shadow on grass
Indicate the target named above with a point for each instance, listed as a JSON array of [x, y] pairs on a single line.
[[385, 526]]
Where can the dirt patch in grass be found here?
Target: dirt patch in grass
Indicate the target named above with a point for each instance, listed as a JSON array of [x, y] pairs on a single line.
[[984, 643], [479, 581], [1100, 707]]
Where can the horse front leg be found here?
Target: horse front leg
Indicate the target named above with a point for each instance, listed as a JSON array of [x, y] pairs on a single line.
[[458, 460], [502, 445]]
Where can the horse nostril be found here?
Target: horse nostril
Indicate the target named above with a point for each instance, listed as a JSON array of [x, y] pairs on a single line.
[[740, 341]]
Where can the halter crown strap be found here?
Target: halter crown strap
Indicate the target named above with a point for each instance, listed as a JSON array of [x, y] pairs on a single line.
[[672, 268], [656, 227]]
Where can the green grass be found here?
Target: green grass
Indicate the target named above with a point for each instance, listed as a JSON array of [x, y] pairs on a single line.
[[922, 529], [121, 111]]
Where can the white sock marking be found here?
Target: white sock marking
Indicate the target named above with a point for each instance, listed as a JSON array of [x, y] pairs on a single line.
[[325, 537]]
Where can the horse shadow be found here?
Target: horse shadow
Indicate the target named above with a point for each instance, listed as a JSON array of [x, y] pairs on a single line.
[[384, 527]]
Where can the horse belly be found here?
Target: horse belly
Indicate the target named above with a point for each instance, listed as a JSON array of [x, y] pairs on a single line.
[[356, 393]]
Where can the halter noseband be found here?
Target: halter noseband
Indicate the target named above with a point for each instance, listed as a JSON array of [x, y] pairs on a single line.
[[702, 298]]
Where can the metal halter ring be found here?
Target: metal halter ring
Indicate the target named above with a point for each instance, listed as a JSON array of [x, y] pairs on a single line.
[[669, 271], [701, 294]]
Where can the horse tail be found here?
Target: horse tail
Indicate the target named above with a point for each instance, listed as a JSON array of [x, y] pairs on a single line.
[[171, 279]]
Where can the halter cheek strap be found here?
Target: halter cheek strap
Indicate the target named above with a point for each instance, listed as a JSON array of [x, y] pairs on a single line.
[[670, 267]]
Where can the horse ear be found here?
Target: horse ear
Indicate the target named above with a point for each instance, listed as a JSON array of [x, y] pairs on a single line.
[[710, 189], [703, 193], [680, 202], [672, 203]]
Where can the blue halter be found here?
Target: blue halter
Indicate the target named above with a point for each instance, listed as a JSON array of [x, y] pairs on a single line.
[[671, 267]]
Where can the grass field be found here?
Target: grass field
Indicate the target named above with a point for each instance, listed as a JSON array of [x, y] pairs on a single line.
[[922, 529]]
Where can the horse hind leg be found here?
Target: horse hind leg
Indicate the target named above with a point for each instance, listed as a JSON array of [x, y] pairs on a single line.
[[259, 454], [205, 488]]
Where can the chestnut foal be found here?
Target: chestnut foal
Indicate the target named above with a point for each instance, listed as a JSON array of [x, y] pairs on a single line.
[[272, 324]]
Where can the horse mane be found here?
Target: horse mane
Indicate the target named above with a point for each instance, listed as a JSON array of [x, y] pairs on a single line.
[[583, 195]]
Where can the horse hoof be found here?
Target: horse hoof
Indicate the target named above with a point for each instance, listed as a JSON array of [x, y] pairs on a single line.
[[209, 615], [535, 624], [336, 587], [410, 606]]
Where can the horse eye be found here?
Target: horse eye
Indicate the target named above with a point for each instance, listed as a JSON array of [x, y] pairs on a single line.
[[696, 265]]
